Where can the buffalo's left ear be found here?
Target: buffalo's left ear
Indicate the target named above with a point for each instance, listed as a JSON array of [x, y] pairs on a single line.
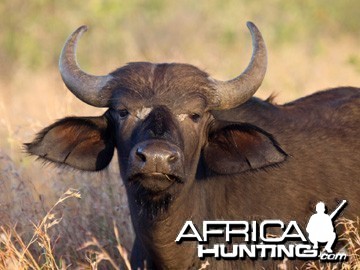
[[234, 148], [83, 143]]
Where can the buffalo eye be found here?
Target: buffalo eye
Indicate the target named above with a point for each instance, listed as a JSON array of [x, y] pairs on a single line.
[[123, 113], [195, 117]]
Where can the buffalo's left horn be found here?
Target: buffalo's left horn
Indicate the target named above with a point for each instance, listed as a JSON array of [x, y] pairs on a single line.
[[88, 88], [238, 90]]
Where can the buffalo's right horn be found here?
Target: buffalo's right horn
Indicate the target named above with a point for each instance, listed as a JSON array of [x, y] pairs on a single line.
[[238, 90], [88, 88]]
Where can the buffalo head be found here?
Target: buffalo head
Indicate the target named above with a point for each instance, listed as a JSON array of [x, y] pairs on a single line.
[[161, 121]]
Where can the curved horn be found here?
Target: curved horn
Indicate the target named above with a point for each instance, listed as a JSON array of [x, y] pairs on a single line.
[[238, 90], [88, 88]]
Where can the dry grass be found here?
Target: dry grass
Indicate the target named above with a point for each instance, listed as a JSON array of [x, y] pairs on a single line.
[[36, 253], [94, 215], [39, 252], [350, 236], [101, 254]]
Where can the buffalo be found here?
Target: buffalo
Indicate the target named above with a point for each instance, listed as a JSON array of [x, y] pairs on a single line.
[[192, 147]]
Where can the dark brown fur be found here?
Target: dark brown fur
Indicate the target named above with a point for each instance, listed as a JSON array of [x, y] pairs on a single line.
[[257, 161]]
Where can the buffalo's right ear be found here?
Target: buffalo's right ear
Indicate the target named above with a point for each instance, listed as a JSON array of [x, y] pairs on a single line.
[[83, 143], [235, 148]]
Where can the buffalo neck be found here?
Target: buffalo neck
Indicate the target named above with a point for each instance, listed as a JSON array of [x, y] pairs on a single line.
[[158, 233]]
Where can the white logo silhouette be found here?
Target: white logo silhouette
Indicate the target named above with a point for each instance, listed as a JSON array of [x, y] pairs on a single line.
[[320, 227]]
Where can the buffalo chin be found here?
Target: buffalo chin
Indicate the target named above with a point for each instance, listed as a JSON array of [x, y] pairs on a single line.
[[154, 191]]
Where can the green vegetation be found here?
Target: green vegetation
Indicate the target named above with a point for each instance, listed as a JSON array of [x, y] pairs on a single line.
[[33, 31]]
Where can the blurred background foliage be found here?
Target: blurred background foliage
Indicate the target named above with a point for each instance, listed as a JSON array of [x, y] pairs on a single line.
[[33, 31]]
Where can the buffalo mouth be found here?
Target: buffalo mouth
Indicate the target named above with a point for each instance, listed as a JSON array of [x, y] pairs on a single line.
[[154, 192], [155, 183]]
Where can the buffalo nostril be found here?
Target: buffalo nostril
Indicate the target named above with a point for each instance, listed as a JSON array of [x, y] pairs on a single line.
[[140, 155], [172, 158]]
